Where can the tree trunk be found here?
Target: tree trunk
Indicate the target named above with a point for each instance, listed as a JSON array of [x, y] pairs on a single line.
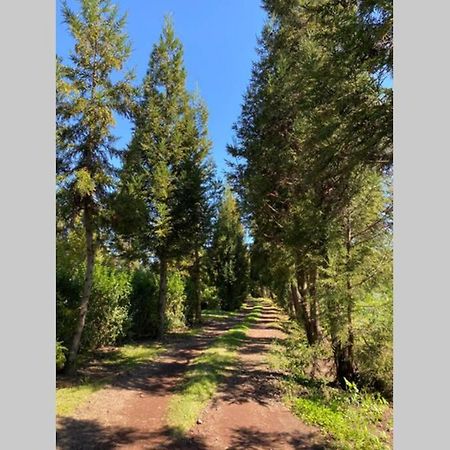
[[343, 359], [302, 313], [291, 307], [314, 307], [162, 300], [343, 351], [197, 296], [87, 288]]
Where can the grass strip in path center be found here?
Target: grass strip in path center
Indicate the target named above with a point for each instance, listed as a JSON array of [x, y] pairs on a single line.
[[202, 379]]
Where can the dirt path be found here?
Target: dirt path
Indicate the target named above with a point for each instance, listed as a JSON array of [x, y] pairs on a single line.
[[130, 413], [247, 413]]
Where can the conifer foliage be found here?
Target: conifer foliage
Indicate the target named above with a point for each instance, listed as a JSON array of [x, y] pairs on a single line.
[[87, 98], [229, 255], [166, 168], [313, 162]]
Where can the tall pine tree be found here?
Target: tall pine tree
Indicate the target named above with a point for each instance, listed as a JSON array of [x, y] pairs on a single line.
[[88, 95], [195, 209], [229, 255], [166, 171]]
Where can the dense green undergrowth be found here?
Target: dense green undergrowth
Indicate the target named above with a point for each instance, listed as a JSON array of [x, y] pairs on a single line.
[[201, 381], [351, 420]]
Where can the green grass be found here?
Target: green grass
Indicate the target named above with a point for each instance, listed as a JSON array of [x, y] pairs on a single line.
[[351, 419], [351, 425], [217, 314], [202, 380], [70, 398], [131, 355]]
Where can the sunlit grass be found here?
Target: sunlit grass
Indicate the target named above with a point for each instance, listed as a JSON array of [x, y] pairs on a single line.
[[351, 425], [217, 314], [68, 399], [131, 355], [351, 419]]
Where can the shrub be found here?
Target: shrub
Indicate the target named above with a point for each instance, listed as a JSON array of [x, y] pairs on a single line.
[[210, 298], [144, 304], [300, 359], [69, 284], [61, 352], [176, 300], [107, 320], [373, 348]]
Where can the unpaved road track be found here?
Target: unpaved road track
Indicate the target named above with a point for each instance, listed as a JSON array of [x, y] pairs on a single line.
[[246, 412]]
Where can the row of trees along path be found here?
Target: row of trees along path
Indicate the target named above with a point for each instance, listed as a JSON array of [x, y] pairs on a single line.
[[313, 171]]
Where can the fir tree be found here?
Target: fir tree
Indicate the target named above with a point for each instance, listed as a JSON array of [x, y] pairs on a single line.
[[166, 171], [195, 209], [229, 255], [87, 98], [359, 265]]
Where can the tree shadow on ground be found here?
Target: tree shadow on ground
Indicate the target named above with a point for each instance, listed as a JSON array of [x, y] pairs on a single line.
[[106, 365], [247, 438], [249, 380], [161, 377], [74, 434], [253, 384], [156, 377]]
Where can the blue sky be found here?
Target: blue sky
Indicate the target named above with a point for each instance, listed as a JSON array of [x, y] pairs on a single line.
[[219, 38]]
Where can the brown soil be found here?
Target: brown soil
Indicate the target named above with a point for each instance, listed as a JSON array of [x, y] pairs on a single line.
[[246, 413]]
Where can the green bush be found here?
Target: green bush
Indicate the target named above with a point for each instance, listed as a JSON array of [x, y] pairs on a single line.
[[176, 300], [297, 357], [374, 345], [144, 304], [69, 285], [107, 320], [210, 298], [61, 352]]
